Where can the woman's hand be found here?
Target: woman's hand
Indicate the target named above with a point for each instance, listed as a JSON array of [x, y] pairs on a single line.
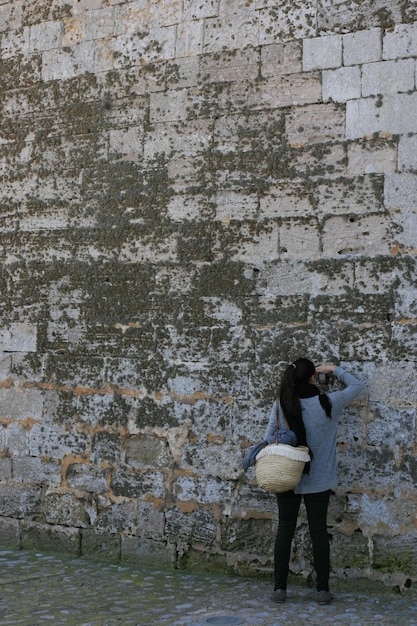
[[326, 368]]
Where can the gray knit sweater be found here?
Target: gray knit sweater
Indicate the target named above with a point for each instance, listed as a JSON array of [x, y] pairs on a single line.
[[321, 433]]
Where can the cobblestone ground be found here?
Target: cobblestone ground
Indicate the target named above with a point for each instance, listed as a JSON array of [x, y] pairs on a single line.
[[38, 589]]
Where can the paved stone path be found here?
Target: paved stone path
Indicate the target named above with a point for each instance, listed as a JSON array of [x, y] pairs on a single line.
[[38, 589]]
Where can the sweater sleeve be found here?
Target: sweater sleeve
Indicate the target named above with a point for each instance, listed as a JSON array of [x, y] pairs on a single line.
[[354, 388]]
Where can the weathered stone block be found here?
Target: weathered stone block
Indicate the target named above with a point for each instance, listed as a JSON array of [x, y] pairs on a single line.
[[32, 470], [35, 536], [343, 16], [18, 338], [150, 521], [236, 33], [10, 16], [393, 425], [350, 551], [286, 199], [220, 459], [372, 157], [285, 90], [234, 206], [371, 469], [204, 490], [299, 239], [129, 484], [322, 52], [14, 43], [68, 509], [103, 546], [20, 501], [147, 451], [9, 532], [388, 114], [146, 552], [309, 161], [85, 477], [316, 123], [355, 235], [407, 153], [387, 77], [278, 59], [5, 469], [393, 384], [230, 66], [251, 536], [399, 188], [196, 527], [400, 42], [364, 46], [249, 242], [393, 554], [291, 278], [184, 72], [341, 84], [199, 9], [291, 19], [16, 439], [360, 195], [55, 441], [45, 36]]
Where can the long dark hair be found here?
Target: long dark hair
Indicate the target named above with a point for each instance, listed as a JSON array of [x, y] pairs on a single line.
[[295, 384]]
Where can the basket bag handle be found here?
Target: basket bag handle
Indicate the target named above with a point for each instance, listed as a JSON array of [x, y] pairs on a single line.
[[284, 420]]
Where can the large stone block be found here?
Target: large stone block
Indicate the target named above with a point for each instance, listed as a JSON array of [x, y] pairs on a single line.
[[285, 90], [18, 338], [146, 552], [299, 239], [356, 235], [321, 53], [36, 536], [102, 546], [86, 477], [341, 84], [400, 190], [387, 77], [9, 532], [374, 156], [400, 42], [227, 67], [233, 32], [407, 153], [316, 123], [278, 59], [286, 21], [196, 527], [392, 114], [45, 36], [396, 554], [364, 46], [203, 490], [147, 451], [33, 470], [20, 501], [68, 509], [359, 195]]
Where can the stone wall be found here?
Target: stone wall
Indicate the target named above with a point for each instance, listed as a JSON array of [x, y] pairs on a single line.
[[194, 193]]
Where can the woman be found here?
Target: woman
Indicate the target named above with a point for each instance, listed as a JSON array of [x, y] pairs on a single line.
[[314, 418]]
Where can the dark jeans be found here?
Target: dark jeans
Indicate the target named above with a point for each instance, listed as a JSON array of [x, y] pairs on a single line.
[[288, 506]]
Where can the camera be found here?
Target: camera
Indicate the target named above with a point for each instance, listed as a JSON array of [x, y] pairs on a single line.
[[323, 379]]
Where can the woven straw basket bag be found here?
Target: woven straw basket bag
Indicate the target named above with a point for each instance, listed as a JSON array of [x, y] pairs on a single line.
[[279, 467]]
